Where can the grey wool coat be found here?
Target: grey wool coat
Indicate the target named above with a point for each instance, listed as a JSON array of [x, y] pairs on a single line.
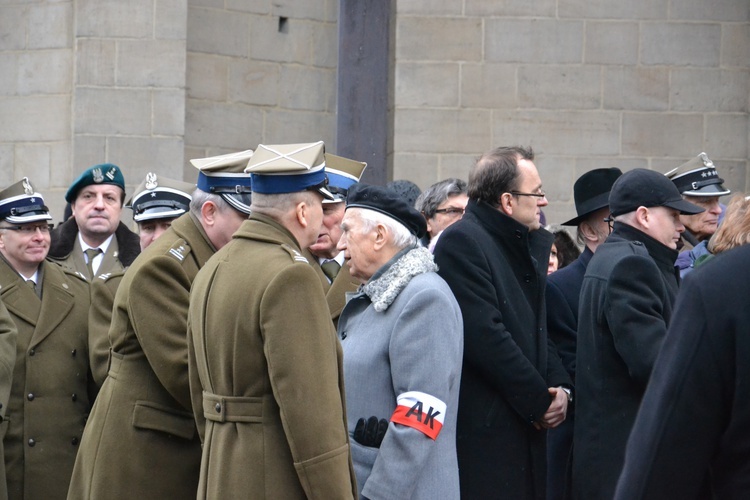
[[52, 387], [402, 333], [141, 440]]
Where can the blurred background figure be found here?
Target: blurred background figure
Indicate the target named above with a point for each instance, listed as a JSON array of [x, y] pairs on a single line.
[[406, 190], [733, 232], [441, 204], [564, 250], [699, 183]]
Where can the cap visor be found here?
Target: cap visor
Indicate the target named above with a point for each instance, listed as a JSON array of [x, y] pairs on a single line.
[[327, 195], [710, 190], [684, 207]]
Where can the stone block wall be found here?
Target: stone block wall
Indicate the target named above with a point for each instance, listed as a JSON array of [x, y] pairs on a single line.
[[645, 83], [259, 72]]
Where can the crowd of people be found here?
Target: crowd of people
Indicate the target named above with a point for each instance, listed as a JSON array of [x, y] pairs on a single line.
[[282, 330]]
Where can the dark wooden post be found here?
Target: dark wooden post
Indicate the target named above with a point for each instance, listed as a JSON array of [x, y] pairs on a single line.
[[364, 101]]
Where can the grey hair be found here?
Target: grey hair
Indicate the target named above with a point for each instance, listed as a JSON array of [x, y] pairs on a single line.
[[432, 197], [200, 197], [402, 237], [277, 206]]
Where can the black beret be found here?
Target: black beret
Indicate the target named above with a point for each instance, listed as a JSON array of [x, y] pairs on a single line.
[[388, 203]]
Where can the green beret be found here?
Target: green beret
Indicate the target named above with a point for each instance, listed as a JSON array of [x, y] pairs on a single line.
[[105, 173]]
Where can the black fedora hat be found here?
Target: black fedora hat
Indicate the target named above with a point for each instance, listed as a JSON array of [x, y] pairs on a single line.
[[591, 192]]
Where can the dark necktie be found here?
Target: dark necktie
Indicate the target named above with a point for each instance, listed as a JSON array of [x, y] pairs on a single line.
[[331, 268], [90, 254]]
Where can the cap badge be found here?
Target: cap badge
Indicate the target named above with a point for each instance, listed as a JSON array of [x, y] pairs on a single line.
[[27, 186], [97, 175], [706, 160], [111, 173], [151, 181]]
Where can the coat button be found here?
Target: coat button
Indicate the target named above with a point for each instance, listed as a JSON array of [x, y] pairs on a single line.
[[32, 442], [343, 335], [218, 407], [527, 278], [519, 234], [74, 397], [32, 352], [638, 243], [30, 396], [73, 353], [74, 441]]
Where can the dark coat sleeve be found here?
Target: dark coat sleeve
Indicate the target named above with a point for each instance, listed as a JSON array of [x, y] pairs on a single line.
[[489, 347], [635, 314], [562, 326]]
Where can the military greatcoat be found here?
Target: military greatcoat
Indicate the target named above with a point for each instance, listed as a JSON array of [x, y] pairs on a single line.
[[8, 335], [52, 385], [336, 291], [103, 289], [270, 367], [141, 440]]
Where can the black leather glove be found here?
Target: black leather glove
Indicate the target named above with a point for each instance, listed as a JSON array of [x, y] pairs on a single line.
[[370, 432]]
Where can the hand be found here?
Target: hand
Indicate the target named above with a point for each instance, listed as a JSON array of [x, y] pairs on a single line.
[[557, 410], [370, 432]]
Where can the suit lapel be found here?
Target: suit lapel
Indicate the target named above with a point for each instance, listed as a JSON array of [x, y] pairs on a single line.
[[109, 261], [336, 295], [79, 263], [313, 260]]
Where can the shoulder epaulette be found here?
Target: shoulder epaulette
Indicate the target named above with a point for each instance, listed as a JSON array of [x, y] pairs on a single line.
[[179, 250], [294, 254]]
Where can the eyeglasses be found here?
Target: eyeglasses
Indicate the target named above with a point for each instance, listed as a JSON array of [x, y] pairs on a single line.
[[29, 229], [450, 211], [540, 194], [610, 223]]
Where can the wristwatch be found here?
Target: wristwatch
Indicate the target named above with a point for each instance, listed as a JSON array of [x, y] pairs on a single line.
[[569, 392]]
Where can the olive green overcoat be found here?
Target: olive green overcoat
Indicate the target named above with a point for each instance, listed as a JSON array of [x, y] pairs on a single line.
[[141, 440], [52, 385], [8, 335], [336, 291], [270, 366], [103, 289]]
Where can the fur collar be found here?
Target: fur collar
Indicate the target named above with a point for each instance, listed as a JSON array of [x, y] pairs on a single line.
[[384, 289], [64, 238]]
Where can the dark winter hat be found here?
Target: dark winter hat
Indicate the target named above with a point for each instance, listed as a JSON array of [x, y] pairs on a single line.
[[105, 173], [388, 203], [646, 188], [698, 178], [407, 190], [591, 192]]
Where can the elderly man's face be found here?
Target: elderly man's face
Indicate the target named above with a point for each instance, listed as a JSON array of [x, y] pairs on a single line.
[[447, 213], [358, 246], [330, 231], [97, 210], [150, 230], [704, 224]]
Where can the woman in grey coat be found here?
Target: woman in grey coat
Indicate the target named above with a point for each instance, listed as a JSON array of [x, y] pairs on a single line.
[[402, 339]]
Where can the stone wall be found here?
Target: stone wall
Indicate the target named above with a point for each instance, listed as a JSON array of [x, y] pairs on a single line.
[[643, 83], [149, 84]]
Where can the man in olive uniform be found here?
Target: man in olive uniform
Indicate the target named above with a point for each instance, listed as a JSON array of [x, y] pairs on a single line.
[[263, 346], [156, 203], [141, 440], [325, 258], [52, 388], [94, 241], [8, 334]]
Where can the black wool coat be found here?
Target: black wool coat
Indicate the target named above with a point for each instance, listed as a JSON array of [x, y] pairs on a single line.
[[626, 303], [497, 270], [690, 439]]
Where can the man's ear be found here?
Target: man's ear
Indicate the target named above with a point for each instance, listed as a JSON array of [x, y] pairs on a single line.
[[302, 212], [643, 217], [208, 213], [380, 237], [506, 203]]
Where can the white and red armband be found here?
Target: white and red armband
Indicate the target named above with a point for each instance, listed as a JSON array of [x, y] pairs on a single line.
[[420, 411]]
